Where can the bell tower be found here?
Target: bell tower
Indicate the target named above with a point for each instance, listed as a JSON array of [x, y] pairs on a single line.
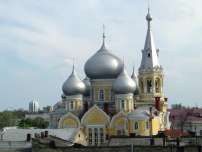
[[150, 78]]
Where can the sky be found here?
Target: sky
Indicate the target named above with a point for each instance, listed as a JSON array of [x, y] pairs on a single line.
[[39, 39]]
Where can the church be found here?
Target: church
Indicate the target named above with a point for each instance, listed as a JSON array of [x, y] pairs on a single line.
[[112, 102]]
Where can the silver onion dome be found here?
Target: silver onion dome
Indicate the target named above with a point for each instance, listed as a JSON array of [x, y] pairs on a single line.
[[73, 85], [124, 84], [103, 64], [87, 83]]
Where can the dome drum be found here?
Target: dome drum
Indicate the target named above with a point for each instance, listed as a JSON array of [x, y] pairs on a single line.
[[87, 83]]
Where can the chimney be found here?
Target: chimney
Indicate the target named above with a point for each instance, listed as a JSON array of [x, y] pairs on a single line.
[[46, 133], [28, 137], [42, 134]]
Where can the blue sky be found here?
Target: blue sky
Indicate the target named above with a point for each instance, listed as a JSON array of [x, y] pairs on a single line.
[[38, 39]]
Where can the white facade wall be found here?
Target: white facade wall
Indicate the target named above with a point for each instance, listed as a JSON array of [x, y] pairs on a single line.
[[33, 106]]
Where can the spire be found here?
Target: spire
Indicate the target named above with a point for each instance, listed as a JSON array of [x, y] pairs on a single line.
[[149, 18], [124, 72], [133, 73], [149, 43], [103, 37], [149, 53], [134, 76], [73, 67]]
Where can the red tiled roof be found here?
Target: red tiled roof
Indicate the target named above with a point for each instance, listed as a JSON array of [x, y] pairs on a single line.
[[193, 114], [175, 133]]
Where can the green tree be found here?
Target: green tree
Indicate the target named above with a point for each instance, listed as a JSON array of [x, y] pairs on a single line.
[[40, 123], [37, 122], [7, 119], [11, 118], [25, 123]]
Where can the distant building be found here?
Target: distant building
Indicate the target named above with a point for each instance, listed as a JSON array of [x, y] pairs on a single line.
[[33, 106], [187, 119], [47, 109], [35, 112], [15, 135], [44, 116]]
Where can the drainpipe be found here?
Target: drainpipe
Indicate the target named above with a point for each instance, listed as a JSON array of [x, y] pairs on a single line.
[[150, 121], [151, 126]]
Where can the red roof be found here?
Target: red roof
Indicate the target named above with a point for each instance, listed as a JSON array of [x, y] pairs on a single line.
[[187, 114], [175, 133]]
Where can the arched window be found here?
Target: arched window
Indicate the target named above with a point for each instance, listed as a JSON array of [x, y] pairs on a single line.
[[136, 126], [122, 104], [111, 94], [71, 105], [101, 95], [90, 139], [149, 86], [96, 135], [147, 124], [142, 86], [157, 85], [101, 136]]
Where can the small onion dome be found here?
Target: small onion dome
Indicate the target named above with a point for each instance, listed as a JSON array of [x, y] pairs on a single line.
[[138, 115], [149, 17], [87, 83], [124, 84], [103, 65], [73, 85]]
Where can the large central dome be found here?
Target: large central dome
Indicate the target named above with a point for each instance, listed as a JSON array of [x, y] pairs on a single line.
[[103, 65]]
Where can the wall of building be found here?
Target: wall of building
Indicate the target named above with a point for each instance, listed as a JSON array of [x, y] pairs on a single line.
[[14, 144], [122, 149], [45, 116]]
